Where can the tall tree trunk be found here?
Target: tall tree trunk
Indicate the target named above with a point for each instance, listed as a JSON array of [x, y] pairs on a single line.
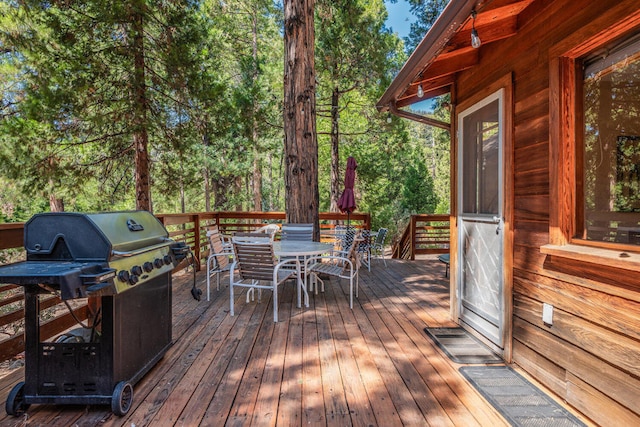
[[220, 187], [140, 106], [257, 172], [55, 204], [207, 179], [300, 139], [335, 150], [183, 202], [237, 190], [273, 193]]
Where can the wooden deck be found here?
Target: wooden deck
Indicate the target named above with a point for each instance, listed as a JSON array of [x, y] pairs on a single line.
[[324, 365]]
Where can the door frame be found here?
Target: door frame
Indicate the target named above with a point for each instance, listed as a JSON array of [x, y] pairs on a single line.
[[505, 83]]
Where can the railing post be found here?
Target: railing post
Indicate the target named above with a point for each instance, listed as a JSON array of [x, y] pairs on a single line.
[[197, 239], [413, 237]]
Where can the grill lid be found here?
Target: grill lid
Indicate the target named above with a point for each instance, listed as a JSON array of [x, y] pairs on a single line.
[[65, 236], [94, 254]]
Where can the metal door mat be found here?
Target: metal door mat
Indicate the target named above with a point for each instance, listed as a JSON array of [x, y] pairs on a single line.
[[461, 346], [519, 401]]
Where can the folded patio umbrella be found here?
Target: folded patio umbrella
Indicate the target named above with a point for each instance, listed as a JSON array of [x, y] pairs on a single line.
[[347, 201]]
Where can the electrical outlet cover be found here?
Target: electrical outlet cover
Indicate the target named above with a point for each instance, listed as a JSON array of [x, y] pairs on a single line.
[[547, 314]]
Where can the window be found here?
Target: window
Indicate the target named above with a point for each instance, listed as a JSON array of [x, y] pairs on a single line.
[[594, 150], [480, 127], [610, 169]]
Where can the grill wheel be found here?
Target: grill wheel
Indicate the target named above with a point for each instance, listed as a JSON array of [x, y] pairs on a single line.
[[15, 401], [122, 398]]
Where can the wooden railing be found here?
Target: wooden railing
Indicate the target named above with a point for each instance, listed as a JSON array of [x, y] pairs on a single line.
[[424, 234], [189, 227]]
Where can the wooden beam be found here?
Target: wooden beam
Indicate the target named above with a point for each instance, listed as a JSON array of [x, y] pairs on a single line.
[[441, 73], [409, 100], [418, 118], [452, 64], [490, 32], [432, 88], [447, 45]]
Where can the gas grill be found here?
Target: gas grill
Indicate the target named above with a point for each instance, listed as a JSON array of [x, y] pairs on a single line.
[[122, 261]]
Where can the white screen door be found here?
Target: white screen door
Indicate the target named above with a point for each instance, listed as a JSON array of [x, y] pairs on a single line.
[[480, 218]]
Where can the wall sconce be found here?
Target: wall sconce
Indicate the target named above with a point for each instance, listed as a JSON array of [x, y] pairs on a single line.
[[475, 39]]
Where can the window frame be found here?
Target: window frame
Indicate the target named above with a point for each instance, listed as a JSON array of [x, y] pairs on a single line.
[[566, 151]]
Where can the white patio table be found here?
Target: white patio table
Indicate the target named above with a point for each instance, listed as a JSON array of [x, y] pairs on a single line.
[[301, 250]]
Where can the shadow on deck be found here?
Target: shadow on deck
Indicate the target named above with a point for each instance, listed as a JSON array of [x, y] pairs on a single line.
[[325, 365]]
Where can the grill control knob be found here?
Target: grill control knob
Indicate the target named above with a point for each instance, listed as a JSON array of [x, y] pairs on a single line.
[[123, 275], [147, 266], [167, 259], [136, 270], [158, 263], [134, 279]]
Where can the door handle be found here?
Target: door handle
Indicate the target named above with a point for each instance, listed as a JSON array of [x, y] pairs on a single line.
[[498, 220]]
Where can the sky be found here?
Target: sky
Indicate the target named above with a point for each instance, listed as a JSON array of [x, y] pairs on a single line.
[[399, 17], [399, 20]]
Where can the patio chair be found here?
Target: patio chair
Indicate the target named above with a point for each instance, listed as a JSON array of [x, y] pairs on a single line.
[[377, 247], [445, 259], [226, 240], [342, 264], [218, 260], [299, 232], [364, 248], [257, 269], [269, 229], [344, 238], [252, 236]]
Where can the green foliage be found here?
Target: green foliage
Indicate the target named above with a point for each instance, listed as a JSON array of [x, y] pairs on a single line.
[[355, 54], [75, 117], [426, 12], [214, 88], [417, 192]]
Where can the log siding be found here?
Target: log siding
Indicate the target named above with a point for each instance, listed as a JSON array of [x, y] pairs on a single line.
[[591, 353]]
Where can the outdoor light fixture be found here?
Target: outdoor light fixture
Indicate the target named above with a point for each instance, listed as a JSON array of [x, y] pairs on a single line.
[[475, 39], [388, 117], [420, 91]]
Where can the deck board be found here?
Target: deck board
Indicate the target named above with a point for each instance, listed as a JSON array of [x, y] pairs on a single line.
[[326, 365]]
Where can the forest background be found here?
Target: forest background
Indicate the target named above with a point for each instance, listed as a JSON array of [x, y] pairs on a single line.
[[203, 81]]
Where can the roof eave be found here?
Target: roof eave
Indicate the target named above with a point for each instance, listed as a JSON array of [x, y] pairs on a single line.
[[452, 17]]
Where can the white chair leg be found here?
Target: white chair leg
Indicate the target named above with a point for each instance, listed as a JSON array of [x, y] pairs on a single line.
[[321, 281], [231, 298], [302, 289], [275, 303], [208, 291], [351, 291], [208, 282], [310, 282]]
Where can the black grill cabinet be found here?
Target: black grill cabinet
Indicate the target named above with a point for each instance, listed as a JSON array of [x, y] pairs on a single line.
[[122, 261]]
